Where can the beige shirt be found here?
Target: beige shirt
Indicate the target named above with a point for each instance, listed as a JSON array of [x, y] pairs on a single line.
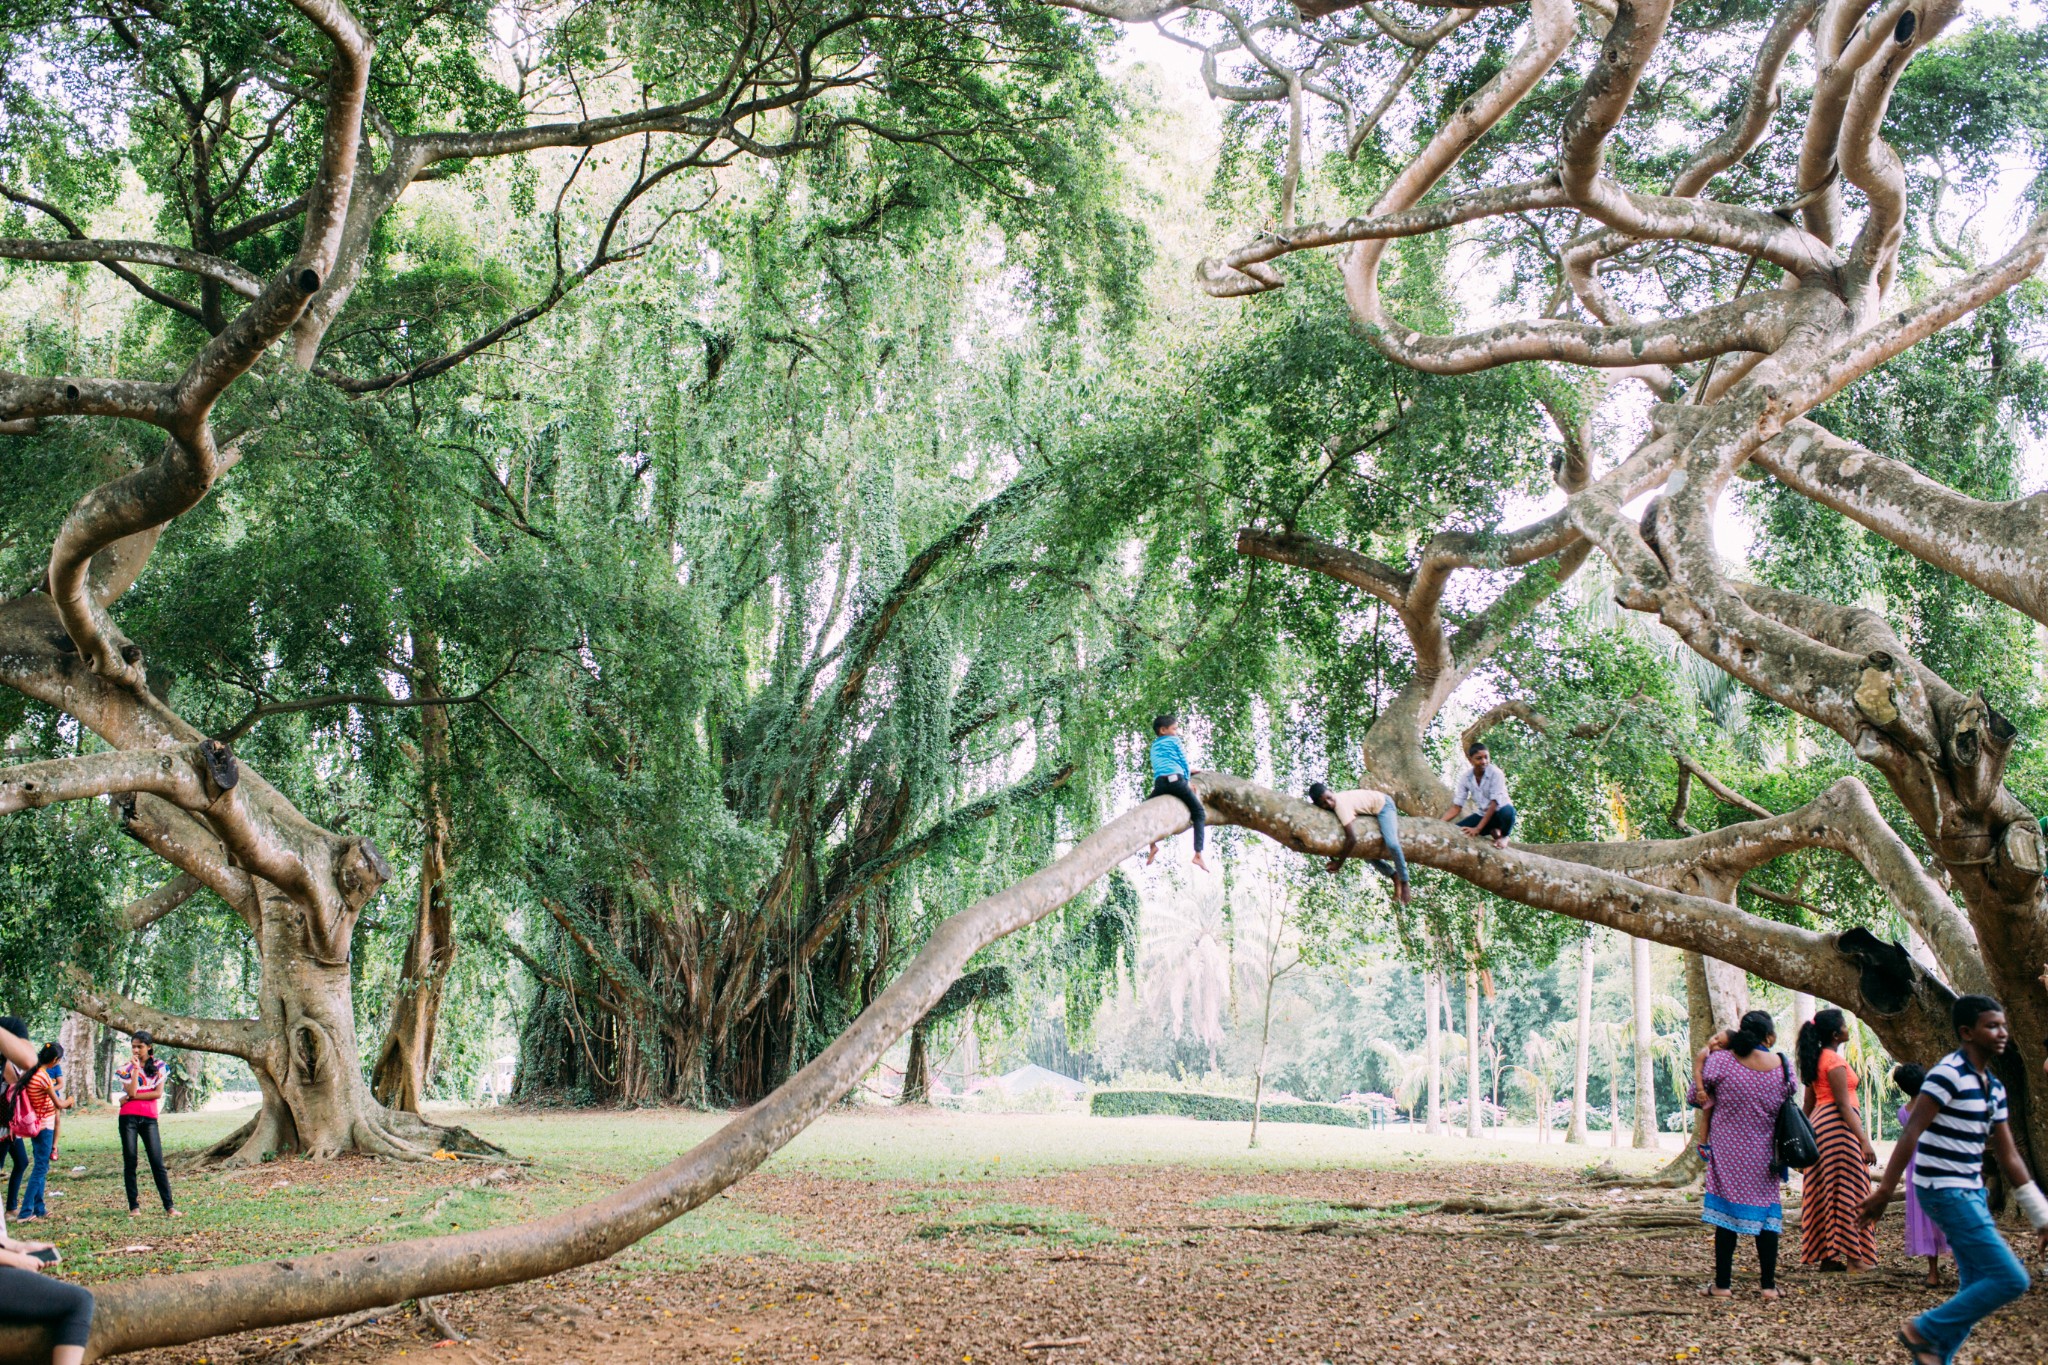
[[1352, 804]]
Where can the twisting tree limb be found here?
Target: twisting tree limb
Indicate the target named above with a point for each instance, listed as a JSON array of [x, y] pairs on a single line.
[[146, 910], [171, 1309]]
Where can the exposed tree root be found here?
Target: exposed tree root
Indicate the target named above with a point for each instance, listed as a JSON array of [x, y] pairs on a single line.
[[298, 1346], [389, 1134], [430, 1309]]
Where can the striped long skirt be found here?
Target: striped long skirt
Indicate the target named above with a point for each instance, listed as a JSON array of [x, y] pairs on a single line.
[[1831, 1196]]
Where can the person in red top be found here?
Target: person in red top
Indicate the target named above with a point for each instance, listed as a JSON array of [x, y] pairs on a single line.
[[41, 1094], [141, 1079], [28, 1295]]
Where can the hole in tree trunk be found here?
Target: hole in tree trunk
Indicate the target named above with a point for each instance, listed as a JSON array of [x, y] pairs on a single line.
[[1903, 34], [1888, 975]]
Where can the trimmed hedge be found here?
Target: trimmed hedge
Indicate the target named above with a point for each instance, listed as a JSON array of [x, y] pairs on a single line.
[[1116, 1104]]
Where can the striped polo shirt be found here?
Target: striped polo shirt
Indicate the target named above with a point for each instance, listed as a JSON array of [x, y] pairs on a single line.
[[1951, 1151]]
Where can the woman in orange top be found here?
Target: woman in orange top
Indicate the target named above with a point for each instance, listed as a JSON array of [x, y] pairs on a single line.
[[1831, 1194]]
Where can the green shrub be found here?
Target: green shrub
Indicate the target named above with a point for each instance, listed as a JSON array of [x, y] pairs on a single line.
[[1117, 1104]]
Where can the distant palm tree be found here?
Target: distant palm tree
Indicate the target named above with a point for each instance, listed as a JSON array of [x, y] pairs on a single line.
[[1406, 1073], [1541, 1060], [1184, 965]]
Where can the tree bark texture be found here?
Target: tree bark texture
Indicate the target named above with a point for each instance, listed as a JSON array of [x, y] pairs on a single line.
[[405, 1060]]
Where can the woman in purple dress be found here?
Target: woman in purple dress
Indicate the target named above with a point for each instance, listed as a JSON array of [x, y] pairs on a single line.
[[1923, 1237], [1739, 1085]]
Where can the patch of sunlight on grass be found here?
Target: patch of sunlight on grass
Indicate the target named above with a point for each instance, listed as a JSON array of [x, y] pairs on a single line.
[[928, 1201], [721, 1229]]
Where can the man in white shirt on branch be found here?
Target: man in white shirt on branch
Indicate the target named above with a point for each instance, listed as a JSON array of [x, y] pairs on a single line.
[[1480, 805]]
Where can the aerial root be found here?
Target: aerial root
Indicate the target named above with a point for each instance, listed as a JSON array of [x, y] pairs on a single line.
[[1511, 1218], [429, 1310], [298, 1346]]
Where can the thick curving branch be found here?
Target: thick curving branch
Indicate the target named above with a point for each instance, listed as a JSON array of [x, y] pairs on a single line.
[[244, 1038], [110, 250], [1869, 162], [2000, 548], [191, 461], [161, 1310], [147, 909], [177, 775]]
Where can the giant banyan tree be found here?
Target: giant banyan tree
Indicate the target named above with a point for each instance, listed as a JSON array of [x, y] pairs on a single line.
[[1791, 292]]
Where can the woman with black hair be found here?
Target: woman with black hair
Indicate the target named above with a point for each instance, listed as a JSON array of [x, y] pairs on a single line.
[[1832, 1234], [1739, 1085], [42, 1103], [28, 1296], [141, 1079], [13, 1150]]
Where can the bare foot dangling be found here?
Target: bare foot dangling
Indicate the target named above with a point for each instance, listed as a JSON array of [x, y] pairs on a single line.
[[1199, 863], [1150, 854], [1403, 892], [1334, 865]]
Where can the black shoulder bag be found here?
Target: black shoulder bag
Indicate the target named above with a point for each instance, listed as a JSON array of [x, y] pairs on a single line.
[[1797, 1148]]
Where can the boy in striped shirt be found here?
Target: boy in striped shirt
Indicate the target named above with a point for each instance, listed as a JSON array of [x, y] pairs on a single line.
[[1960, 1111]]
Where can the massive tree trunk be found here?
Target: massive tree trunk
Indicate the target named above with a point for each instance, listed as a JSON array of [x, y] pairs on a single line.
[[1582, 1043], [80, 1038], [917, 1074], [405, 1061]]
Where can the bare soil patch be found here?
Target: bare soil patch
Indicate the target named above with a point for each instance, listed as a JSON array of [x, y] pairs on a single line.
[[1141, 1264]]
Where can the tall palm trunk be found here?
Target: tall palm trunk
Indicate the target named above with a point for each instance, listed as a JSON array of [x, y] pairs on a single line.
[[1581, 1048], [1434, 1043], [1645, 1041], [1473, 1118]]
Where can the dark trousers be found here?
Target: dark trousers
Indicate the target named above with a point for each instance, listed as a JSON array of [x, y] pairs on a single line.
[[1176, 786], [15, 1150], [1502, 823], [141, 1128], [31, 1300], [1724, 1258]]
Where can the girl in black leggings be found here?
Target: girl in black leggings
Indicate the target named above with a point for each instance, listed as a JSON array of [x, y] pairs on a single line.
[[141, 1079], [29, 1298]]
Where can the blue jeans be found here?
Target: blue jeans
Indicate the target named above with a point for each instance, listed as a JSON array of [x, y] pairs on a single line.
[[1395, 864], [39, 1172], [1988, 1275]]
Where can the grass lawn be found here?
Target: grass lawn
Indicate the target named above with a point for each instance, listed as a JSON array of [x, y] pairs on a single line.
[[963, 1239], [292, 1207]]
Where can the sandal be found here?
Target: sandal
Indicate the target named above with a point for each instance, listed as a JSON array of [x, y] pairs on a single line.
[[1922, 1352], [1714, 1292]]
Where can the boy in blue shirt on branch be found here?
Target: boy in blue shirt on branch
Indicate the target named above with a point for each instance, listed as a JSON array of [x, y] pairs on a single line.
[[1170, 776]]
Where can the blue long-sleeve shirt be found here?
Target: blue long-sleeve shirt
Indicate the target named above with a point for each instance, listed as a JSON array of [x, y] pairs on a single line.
[[1168, 757]]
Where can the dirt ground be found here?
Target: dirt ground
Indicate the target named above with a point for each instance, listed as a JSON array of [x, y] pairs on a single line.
[[1163, 1263]]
